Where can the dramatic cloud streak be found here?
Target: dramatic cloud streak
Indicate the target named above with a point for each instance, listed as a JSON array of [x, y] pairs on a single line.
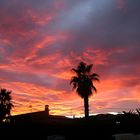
[[40, 41]]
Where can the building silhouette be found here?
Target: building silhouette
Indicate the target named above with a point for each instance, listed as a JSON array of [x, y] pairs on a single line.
[[32, 117]]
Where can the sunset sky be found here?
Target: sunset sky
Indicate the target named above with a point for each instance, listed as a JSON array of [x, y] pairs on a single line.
[[42, 40]]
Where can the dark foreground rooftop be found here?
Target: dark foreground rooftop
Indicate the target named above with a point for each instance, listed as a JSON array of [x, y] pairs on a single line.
[[40, 126]]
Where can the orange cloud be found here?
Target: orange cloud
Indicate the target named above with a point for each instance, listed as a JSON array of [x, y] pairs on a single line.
[[40, 42], [30, 97], [64, 75]]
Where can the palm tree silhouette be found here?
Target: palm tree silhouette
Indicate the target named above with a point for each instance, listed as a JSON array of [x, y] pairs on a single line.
[[83, 83], [5, 103]]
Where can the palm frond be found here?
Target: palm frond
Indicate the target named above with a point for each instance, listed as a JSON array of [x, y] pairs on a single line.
[[94, 75], [138, 111], [74, 79], [95, 79], [80, 91], [89, 67], [75, 70], [5, 103], [82, 67], [74, 85], [83, 82], [94, 88]]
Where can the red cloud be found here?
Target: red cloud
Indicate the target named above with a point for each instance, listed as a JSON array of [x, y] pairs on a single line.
[[121, 4], [41, 42]]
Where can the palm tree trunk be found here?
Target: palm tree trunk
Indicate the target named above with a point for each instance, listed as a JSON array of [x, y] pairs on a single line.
[[86, 106]]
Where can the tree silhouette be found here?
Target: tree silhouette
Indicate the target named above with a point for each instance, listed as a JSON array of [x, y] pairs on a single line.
[[83, 83], [5, 103]]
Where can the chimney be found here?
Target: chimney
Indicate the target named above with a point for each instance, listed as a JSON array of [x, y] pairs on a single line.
[[47, 109]]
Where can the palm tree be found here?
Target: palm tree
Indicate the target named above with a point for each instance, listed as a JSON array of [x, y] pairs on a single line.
[[5, 103], [83, 83]]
